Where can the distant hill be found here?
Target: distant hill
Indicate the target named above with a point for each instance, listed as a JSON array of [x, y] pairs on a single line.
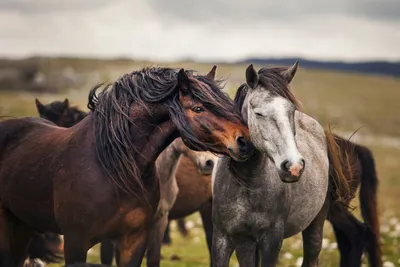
[[372, 67]]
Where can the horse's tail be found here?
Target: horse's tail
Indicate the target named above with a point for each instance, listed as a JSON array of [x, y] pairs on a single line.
[[182, 227], [339, 164], [368, 203], [46, 247]]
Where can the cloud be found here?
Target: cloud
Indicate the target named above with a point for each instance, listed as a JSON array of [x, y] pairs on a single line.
[[208, 30]]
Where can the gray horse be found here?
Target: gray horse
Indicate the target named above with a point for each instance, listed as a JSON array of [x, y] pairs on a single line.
[[282, 189]]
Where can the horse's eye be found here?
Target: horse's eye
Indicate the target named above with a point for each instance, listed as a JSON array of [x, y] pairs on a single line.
[[259, 114], [198, 109]]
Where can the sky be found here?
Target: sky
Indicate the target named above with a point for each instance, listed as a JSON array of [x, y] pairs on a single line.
[[165, 30]]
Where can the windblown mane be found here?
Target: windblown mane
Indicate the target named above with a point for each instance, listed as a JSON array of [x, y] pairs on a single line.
[[272, 80], [111, 108]]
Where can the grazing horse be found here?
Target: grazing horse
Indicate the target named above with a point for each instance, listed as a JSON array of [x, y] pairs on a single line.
[[285, 187], [97, 180]]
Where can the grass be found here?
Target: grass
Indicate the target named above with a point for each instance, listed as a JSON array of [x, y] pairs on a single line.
[[348, 101]]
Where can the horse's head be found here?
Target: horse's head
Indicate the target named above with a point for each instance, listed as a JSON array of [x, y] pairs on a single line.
[[54, 111], [269, 108], [207, 119], [60, 113], [204, 160]]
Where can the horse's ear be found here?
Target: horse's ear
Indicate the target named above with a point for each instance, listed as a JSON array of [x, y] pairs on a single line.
[[251, 76], [66, 104], [211, 74], [40, 107], [289, 73], [183, 81]]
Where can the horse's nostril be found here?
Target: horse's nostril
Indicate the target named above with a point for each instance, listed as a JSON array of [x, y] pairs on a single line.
[[285, 165], [241, 143], [209, 163]]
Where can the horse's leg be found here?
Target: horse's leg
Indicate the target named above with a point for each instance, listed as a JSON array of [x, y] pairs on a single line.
[[206, 217], [5, 253], [75, 248], [245, 253], [312, 237], [131, 249], [155, 241], [17, 236], [270, 246], [222, 249], [107, 252], [350, 235], [167, 235]]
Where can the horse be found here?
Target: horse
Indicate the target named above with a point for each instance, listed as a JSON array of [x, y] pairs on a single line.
[[285, 187], [353, 236], [194, 170], [108, 160]]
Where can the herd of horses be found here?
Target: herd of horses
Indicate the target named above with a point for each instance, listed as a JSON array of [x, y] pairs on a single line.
[[160, 144]]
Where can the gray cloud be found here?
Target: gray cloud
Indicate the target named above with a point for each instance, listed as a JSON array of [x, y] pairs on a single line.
[[261, 10], [207, 29]]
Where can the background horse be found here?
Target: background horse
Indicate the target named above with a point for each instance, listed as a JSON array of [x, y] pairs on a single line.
[[70, 174], [285, 187]]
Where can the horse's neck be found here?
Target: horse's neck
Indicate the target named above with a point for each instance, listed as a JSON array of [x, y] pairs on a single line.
[[248, 172], [152, 136], [166, 164]]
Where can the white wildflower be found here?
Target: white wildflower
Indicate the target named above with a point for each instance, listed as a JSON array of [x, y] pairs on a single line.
[[189, 225], [299, 261], [196, 240], [325, 243], [388, 264], [288, 255]]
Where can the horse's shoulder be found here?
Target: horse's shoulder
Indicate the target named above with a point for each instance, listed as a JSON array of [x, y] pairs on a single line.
[[309, 126]]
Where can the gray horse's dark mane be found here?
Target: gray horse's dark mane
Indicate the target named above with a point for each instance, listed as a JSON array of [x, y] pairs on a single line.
[[271, 79]]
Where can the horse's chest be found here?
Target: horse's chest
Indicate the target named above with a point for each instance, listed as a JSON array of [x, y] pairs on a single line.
[[250, 214]]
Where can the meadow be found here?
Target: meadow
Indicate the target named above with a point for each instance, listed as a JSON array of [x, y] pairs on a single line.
[[349, 102]]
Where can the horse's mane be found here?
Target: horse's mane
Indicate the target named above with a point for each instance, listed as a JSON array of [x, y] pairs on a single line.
[[271, 79], [111, 109]]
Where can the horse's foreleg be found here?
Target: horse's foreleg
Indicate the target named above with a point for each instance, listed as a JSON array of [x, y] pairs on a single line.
[[155, 242], [75, 248], [5, 253], [312, 237], [222, 249], [107, 252], [131, 249], [245, 253], [206, 218], [270, 245]]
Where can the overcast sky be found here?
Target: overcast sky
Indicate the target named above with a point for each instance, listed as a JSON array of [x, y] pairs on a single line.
[[202, 29]]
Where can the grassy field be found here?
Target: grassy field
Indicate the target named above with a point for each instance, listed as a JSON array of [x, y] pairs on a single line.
[[347, 101]]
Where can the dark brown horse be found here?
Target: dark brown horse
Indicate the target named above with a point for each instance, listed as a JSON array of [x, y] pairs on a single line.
[[195, 194], [353, 236], [97, 180]]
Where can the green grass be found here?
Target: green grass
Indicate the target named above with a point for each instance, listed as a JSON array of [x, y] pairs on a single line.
[[347, 101]]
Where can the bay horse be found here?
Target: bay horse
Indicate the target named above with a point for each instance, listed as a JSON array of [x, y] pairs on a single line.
[[97, 180], [285, 187]]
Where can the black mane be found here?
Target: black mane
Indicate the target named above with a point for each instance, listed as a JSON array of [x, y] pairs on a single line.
[[112, 120]]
